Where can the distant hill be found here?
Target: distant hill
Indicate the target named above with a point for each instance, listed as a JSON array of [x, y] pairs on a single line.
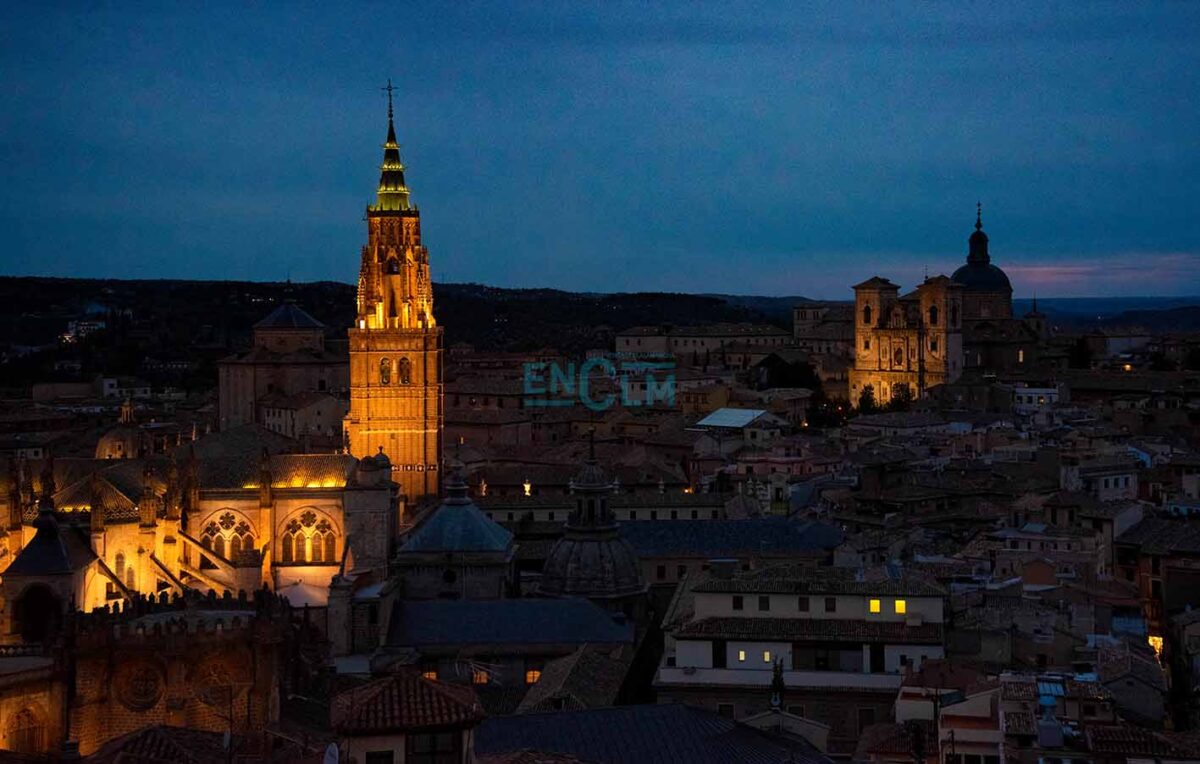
[[167, 319], [1156, 314], [779, 309], [201, 321]]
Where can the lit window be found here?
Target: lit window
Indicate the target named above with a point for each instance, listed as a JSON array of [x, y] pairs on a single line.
[[532, 676], [741, 656], [875, 606], [1020, 356], [901, 607], [766, 656], [479, 677], [1156, 644], [430, 675]]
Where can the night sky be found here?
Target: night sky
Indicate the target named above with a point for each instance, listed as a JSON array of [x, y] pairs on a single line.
[[736, 148]]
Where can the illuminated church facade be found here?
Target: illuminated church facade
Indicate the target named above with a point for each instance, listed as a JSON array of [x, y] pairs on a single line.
[[906, 344], [157, 564], [396, 344], [88, 533], [231, 512]]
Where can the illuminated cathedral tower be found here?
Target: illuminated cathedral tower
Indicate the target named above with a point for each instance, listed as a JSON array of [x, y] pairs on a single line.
[[396, 345]]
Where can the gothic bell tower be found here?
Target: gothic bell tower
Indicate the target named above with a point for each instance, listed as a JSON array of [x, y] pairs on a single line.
[[395, 344]]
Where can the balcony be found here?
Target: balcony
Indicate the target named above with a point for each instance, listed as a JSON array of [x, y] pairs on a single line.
[[734, 677]]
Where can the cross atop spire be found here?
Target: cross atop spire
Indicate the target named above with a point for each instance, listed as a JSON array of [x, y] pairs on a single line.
[[978, 251], [389, 90]]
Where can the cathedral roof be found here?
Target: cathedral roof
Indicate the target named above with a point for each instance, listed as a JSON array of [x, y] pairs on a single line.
[[289, 315], [119, 482]]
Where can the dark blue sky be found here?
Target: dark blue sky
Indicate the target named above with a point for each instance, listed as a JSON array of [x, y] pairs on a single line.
[[770, 149]]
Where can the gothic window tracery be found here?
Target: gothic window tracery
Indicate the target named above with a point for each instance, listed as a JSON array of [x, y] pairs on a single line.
[[228, 535], [308, 538]]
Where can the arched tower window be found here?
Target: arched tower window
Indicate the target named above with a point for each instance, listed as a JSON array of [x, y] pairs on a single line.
[[119, 567], [392, 267], [933, 315], [385, 371], [867, 315], [288, 546], [26, 732], [405, 370], [130, 578]]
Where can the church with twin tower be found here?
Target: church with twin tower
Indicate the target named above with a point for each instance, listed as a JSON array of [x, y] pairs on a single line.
[[395, 343]]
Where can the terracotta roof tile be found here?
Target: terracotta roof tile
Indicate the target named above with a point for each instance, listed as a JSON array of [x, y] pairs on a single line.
[[405, 701]]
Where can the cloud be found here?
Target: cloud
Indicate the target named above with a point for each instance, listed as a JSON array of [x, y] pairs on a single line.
[[1126, 273]]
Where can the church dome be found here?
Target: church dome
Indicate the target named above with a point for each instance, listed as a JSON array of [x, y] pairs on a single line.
[[591, 560], [982, 278], [458, 525], [124, 440], [979, 275]]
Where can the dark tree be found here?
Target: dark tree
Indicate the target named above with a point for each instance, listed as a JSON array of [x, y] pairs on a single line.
[[866, 400], [902, 398]]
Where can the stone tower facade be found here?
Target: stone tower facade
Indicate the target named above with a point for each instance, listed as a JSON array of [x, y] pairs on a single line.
[[912, 341], [395, 344]]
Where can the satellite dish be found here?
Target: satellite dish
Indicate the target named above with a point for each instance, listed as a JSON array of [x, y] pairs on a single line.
[[331, 754]]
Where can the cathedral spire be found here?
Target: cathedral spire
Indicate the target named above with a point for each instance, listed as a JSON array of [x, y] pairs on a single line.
[[978, 252], [393, 194]]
